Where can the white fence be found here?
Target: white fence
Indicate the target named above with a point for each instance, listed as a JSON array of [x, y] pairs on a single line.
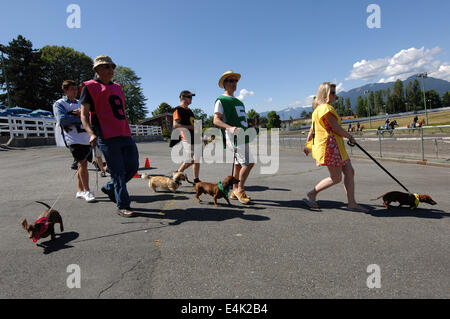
[[16, 126]]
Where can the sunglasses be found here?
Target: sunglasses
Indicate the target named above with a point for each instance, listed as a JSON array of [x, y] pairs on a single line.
[[332, 93], [231, 80], [108, 66], [187, 96]]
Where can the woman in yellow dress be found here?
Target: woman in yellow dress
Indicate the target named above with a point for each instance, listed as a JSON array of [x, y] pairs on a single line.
[[326, 140]]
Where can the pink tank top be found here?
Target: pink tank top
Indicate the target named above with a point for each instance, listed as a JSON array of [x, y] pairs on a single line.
[[110, 108]]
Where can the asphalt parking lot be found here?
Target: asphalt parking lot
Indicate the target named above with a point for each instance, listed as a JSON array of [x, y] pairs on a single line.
[[178, 248]]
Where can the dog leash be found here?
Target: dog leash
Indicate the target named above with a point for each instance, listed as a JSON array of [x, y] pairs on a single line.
[[376, 162], [71, 178]]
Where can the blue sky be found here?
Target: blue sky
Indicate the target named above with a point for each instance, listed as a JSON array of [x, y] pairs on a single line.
[[283, 49]]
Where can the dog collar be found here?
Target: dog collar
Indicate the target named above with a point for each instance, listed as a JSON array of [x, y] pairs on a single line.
[[44, 221], [416, 201], [223, 190]]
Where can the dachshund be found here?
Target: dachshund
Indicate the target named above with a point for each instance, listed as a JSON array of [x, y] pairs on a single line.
[[214, 189], [412, 200], [45, 225]]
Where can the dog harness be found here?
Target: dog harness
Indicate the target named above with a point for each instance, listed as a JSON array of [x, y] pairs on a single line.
[[416, 201], [44, 221], [223, 190]]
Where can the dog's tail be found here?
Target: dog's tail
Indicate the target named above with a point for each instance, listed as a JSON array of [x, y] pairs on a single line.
[[187, 180], [43, 204], [378, 197], [145, 176]]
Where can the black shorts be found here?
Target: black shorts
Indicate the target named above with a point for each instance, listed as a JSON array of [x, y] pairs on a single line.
[[81, 152]]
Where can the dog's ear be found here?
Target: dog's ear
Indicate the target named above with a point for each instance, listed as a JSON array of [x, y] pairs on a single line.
[[25, 224]]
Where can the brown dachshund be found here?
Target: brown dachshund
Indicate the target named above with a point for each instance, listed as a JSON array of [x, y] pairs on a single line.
[[45, 225], [214, 191], [405, 199]]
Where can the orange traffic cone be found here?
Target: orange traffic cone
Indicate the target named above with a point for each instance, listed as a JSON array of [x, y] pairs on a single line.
[[136, 176], [147, 163]]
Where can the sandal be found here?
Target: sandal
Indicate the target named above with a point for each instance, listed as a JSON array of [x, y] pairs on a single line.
[[125, 213]]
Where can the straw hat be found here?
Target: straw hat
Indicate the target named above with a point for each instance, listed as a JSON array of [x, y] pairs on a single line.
[[226, 75], [103, 59]]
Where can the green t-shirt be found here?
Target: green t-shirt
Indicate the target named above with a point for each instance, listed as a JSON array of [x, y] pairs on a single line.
[[235, 115]]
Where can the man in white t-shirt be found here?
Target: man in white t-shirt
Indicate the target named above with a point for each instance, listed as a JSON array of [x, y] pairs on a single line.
[[67, 112], [230, 116]]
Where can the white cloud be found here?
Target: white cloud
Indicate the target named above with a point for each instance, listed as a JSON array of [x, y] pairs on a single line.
[[269, 100], [400, 66], [244, 93], [339, 88], [307, 102], [443, 72]]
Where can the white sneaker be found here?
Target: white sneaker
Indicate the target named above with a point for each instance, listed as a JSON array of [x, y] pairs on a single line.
[[89, 196], [80, 194]]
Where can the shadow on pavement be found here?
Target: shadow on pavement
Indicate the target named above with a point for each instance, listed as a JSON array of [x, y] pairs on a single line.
[[406, 212], [61, 242], [264, 188], [161, 196], [198, 214], [294, 204], [392, 212]]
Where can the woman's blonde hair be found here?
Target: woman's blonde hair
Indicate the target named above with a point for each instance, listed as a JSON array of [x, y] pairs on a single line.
[[323, 93]]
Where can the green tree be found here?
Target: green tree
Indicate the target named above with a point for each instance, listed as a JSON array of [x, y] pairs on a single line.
[[446, 99], [62, 63], [348, 107], [433, 99], [263, 121], [200, 115], [417, 96], [134, 96], [378, 102], [361, 110], [209, 122], [273, 120], [371, 103], [409, 97], [163, 108], [252, 114], [398, 97], [23, 67]]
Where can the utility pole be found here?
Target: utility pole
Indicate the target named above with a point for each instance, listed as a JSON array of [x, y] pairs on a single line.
[[2, 48], [423, 76]]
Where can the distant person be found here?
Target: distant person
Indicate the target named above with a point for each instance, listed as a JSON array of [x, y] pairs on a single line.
[[104, 118], [358, 127], [415, 120], [386, 124], [183, 117], [67, 112], [349, 127], [328, 148]]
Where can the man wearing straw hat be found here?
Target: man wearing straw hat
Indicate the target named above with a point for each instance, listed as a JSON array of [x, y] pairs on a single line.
[[230, 116], [104, 102]]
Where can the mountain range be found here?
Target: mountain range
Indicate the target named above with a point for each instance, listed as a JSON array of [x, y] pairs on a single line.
[[440, 86]]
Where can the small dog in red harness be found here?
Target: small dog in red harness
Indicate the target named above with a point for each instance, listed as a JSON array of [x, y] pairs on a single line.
[[45, 225]]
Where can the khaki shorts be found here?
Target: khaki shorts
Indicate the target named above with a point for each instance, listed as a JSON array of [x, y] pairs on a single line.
[[243, 156]]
